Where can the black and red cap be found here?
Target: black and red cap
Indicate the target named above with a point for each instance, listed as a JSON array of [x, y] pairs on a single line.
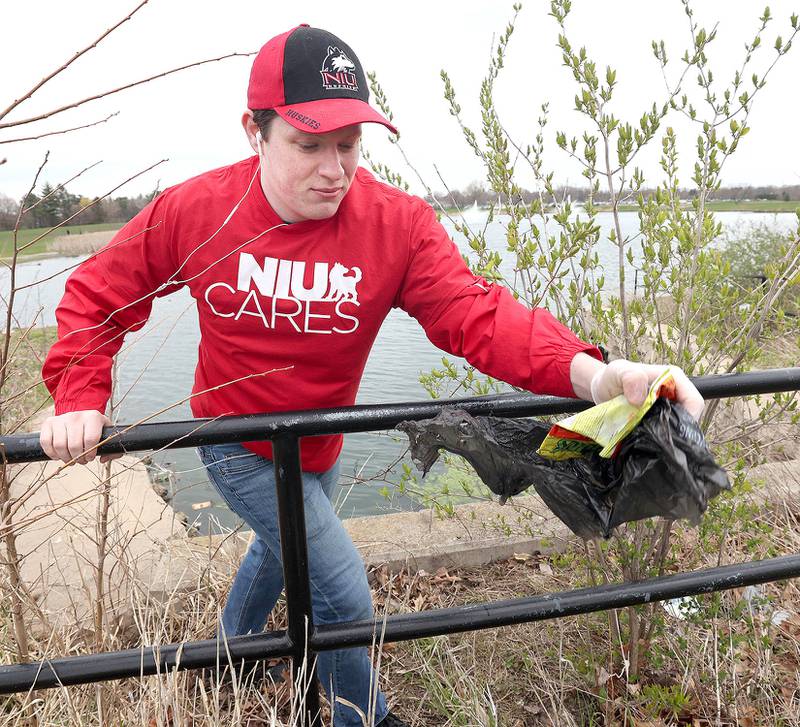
[[313, 80]]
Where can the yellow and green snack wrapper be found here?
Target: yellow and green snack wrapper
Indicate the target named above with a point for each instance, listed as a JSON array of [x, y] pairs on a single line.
[[603, 426]]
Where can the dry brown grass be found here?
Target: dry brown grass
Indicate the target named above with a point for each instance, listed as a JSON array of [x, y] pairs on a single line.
[[81, 244], [725, 665], [184, 698]]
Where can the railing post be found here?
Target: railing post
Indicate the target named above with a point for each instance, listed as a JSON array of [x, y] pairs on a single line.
[[294, 554]]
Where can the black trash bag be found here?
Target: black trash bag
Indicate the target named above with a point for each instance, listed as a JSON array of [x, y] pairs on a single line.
[[503, 453], [663, 468]]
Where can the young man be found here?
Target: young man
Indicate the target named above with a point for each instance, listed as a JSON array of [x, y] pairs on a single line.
[[295, 256]]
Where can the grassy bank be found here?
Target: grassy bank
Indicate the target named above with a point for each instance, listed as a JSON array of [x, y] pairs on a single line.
[[25, 394], [725, 205], [43, 245], [754, 206]]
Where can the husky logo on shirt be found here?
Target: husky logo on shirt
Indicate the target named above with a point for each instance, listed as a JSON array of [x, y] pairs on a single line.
[[277, 293], [337, 71], [343, 286]]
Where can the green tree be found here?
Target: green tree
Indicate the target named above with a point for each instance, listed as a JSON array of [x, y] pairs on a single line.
[[55, 205]]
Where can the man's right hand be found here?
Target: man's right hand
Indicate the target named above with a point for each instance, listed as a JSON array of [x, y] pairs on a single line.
[[74, 436]]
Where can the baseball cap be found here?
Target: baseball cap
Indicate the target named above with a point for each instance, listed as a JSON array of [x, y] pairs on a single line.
[[313, 80]]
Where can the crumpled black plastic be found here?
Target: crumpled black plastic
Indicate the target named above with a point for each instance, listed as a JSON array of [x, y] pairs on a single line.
[[663, 467]]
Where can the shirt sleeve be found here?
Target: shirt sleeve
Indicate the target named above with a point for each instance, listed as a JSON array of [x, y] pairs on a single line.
[[108, 295], [482, 322]]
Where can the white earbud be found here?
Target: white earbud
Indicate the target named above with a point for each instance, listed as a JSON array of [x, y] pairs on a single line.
[[258, 143]]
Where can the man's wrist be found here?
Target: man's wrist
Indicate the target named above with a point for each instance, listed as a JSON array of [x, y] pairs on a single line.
[[67, 406], [582, 370]]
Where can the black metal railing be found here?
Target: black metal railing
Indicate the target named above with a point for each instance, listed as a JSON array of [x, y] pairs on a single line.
[[302, 639]]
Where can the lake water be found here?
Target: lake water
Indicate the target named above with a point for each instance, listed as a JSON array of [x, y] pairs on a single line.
[[156, 368]]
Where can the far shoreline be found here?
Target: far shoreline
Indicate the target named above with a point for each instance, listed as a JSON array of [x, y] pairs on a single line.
[[42, 249], [754, 206]]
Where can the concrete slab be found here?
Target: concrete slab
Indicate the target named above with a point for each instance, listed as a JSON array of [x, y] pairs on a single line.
[[58, 536], [477, 534], [739, 418], [778, 482]]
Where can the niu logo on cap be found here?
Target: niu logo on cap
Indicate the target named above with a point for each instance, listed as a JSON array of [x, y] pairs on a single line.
[[337, 71]]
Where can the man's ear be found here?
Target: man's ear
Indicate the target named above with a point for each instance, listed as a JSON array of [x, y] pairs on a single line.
[[251, 129]]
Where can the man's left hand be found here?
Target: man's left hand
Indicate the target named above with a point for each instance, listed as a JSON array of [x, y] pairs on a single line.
[[603, 382], [634, 379]]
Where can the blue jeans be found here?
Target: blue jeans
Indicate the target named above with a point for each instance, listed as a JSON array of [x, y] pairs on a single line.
[[339, 588]]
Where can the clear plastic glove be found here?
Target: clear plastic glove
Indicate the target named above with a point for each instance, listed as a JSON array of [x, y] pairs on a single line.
[[634, 379], [74, 436]]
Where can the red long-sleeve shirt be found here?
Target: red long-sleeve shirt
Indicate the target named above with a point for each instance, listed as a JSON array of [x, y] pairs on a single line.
[[288, 313]]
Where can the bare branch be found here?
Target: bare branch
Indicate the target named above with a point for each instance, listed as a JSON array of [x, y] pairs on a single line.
[[91, 204], [171, 281], [158, 350], [75, 104], [126, 348], [12, 281], [74, 58], [55, 189], [22, 339], [62, 131]]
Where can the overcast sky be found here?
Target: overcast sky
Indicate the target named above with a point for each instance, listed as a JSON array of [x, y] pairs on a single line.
[[192, 118]]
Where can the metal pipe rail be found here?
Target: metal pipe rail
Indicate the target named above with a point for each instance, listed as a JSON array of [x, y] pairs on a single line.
[[302, 639], [403, 627], [364, 418]]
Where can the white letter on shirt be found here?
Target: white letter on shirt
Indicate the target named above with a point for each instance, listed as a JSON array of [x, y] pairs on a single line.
[[251, 271]]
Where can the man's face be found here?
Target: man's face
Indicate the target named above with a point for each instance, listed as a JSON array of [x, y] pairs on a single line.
[[306, 176]]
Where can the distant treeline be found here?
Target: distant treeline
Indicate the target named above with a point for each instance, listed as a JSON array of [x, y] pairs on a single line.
[[52, 205], [476, 193]]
